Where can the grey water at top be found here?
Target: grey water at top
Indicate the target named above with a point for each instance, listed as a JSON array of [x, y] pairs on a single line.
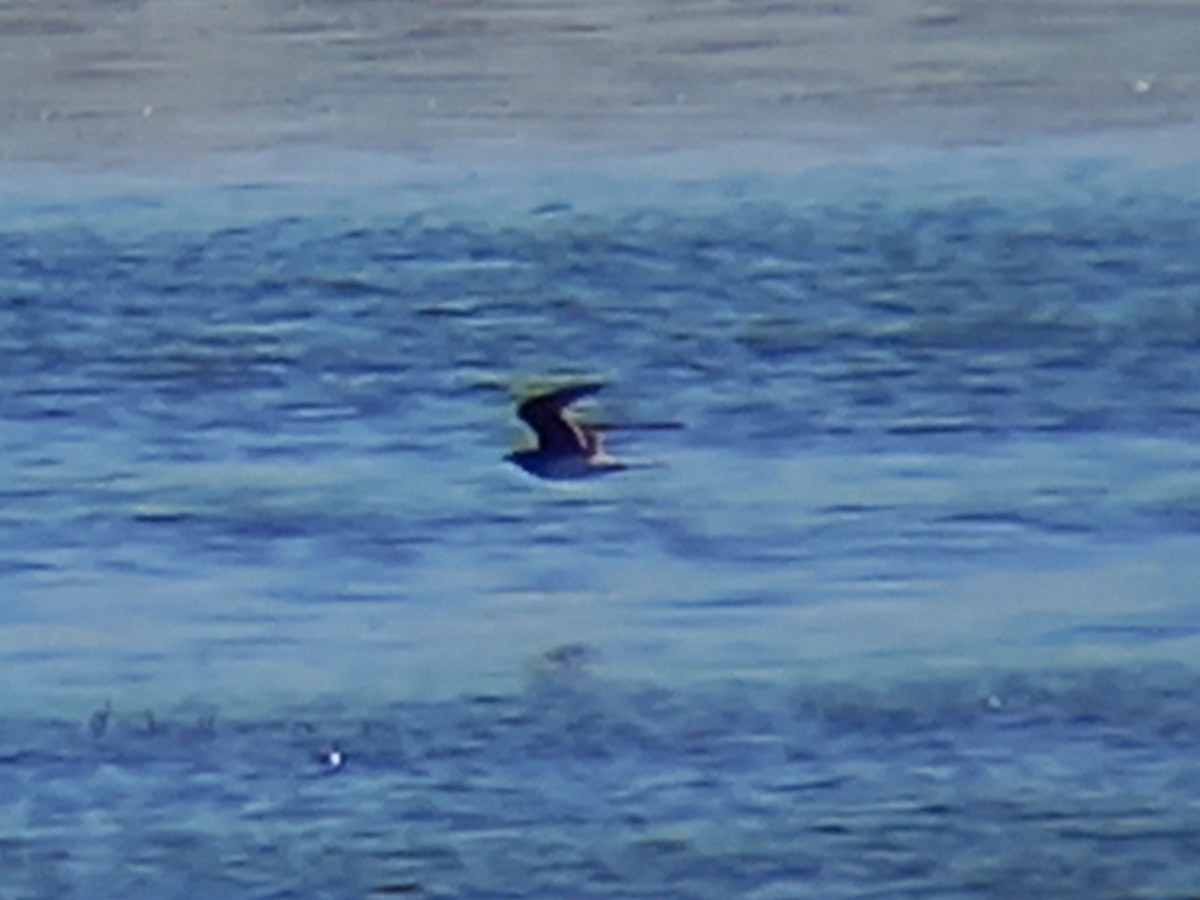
[[920, 565]]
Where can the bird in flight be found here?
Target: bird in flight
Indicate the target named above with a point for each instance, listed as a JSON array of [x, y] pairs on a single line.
[[567, 448]]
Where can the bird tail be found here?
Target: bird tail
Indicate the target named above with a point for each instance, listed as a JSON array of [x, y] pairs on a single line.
[[636, 426]]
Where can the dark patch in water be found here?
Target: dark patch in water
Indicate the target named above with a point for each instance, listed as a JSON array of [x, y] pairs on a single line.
[[654, 784]]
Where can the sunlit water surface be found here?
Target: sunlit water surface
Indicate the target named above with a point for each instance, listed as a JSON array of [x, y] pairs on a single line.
[[907, 608]]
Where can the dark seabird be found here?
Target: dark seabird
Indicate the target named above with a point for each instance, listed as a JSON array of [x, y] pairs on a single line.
[[567, 448]]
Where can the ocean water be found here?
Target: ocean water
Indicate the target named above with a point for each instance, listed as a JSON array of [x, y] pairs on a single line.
[[907, 608]]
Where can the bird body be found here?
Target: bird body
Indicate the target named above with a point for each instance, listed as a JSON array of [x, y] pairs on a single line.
[[563, 468], [567, 448]]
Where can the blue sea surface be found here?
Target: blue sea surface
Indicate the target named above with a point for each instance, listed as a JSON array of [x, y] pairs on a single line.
[[907, 608]]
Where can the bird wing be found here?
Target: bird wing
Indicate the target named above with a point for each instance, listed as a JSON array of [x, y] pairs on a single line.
[[556, 433]]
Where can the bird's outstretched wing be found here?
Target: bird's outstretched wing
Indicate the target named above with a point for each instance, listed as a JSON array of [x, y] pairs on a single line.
[[556, 433]]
